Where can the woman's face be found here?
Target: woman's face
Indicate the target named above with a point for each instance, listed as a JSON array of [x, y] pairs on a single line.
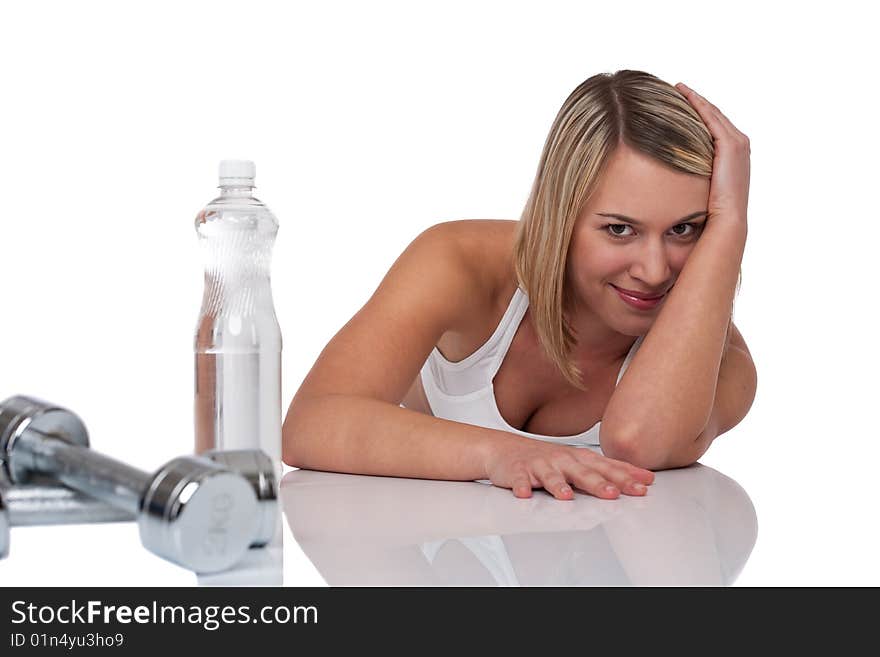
[[660, 215]]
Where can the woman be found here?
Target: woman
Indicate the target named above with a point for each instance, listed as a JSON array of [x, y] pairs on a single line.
[[492, 349]]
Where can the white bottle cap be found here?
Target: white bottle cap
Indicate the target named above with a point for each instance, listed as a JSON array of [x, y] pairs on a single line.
[[237, 173]]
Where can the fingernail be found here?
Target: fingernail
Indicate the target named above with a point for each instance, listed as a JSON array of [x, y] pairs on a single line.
[[639, 487], [565, 490], [611, 489]]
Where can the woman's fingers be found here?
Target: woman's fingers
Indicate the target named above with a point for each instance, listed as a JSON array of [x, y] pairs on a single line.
[[624, 479], [641, 475], [605, 478], [710, 114], [521, 483], [713, 116], [615, 469], [592, 481], [630, 479], [698, 101], [729, 191], [559, 470], [552, 480]]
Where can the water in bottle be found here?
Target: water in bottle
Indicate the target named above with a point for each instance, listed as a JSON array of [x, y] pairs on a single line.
[[237, 339]]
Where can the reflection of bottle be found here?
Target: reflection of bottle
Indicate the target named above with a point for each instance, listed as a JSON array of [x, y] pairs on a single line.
[[237, 339]]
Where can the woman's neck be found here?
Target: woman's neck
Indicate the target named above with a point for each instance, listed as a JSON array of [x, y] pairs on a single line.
[[597, 343]]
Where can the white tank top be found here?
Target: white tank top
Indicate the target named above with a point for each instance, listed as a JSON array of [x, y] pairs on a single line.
[[464, 391]]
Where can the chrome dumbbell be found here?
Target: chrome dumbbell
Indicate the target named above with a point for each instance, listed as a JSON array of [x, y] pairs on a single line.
[[255, 466], [46, 504], [55, 504], [192, 511]]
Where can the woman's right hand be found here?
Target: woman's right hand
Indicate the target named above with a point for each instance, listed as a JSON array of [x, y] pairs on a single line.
[[537, 464]]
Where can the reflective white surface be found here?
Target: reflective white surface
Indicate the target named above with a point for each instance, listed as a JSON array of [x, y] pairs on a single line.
[[695, 527], [110, 554], [259, 567]]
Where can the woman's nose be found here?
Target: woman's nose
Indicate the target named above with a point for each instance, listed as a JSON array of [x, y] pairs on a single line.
[[652, 265]]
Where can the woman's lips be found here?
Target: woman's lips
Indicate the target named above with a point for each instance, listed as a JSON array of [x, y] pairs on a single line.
[[637, 301]]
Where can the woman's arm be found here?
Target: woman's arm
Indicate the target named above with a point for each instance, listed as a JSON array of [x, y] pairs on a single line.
[[346, 415], [688, 383], [360, 435], [737, 382]]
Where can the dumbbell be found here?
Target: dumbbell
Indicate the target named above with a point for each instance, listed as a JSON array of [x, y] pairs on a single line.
[[255, 466], [191, 511], [55, 504], [47, 504]]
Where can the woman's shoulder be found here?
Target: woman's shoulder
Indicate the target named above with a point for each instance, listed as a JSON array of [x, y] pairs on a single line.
[[483, 250], [483, 246]]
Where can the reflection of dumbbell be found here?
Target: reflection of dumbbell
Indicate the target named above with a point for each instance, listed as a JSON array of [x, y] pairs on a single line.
[[191, 511], [53, 504]]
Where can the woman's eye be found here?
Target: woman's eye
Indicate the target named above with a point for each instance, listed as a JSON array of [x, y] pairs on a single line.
[[687, 230], [617, 230]]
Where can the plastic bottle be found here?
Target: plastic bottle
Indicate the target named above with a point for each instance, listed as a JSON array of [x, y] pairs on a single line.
[[237, 338]]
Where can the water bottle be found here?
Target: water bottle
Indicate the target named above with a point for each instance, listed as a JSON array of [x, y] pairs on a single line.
[[237, 339]]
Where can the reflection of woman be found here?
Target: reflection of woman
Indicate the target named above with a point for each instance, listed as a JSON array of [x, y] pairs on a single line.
[[492, 349], [696, 528]]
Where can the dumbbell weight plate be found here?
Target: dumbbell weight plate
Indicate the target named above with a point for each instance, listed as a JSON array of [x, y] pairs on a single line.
[[256, 466], [20, 413], [198, 514]]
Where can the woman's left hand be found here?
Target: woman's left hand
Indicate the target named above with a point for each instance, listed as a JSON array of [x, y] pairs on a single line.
[[729, 188]]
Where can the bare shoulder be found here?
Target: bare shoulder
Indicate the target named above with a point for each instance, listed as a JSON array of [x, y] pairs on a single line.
[[443, 284], [481, 247], [476, 232]]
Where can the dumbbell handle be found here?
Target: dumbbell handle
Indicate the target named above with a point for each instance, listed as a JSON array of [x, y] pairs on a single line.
[[83, 469], [42, 504]]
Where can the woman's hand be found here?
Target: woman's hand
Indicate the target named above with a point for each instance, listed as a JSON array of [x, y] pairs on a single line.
[[729, 189], [536, 464]]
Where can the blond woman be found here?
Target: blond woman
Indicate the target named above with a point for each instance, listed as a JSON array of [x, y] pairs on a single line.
[[602, 319]]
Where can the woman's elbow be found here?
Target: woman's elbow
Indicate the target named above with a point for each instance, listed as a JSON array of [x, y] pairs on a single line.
[[643, 448], [292, 437], [289, 453]]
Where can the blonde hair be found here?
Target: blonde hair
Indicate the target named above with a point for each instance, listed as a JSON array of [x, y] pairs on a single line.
[[629, 107]]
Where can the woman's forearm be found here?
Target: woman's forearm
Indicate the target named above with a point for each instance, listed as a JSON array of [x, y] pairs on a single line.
[[666, 396], [353, 434]]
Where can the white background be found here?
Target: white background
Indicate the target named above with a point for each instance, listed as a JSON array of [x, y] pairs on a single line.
[[369, 122]]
